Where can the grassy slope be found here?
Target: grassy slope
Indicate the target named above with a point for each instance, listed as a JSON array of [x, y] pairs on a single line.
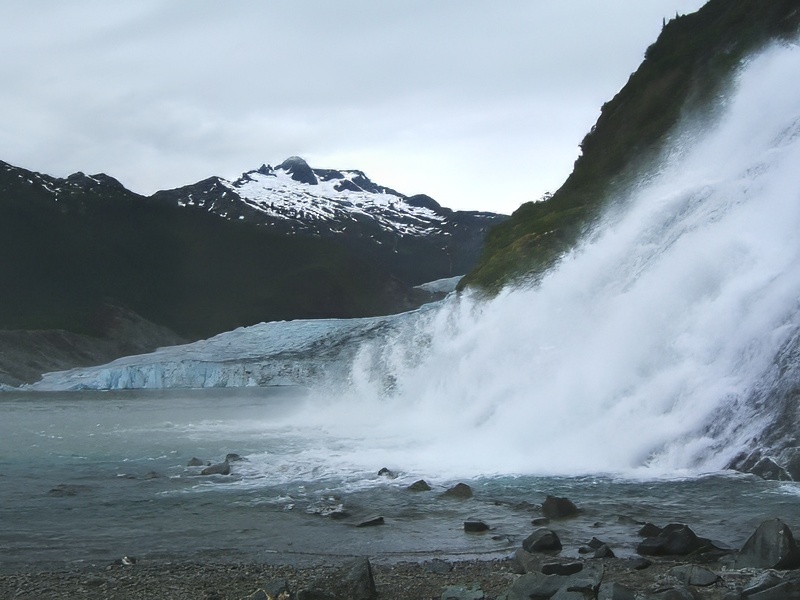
[[693, 58]]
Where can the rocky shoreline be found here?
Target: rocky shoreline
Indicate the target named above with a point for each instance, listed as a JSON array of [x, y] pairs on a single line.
[[670, 563]]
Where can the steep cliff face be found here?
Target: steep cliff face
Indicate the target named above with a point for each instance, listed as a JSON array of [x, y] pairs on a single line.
[[683, 71]]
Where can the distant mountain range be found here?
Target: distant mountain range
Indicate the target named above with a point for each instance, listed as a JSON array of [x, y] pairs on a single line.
[[278, 243]]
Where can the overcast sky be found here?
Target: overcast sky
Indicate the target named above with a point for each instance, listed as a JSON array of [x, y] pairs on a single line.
[[480, 104]]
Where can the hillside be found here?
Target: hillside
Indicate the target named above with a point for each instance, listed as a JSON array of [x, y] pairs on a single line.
[[683, 71], [76, 246]]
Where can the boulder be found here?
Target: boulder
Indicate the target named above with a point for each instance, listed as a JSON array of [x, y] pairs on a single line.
[[460, 491], [196, 462], [371, 522], [771, 546], [278, 589], [475, 526], [603, 552], [524, 562], [767, 468], [542, 540], [761, 582], [359, 583], [539, 521], [223, 468], [535, 585], [649, 530], [68, 489], [791, 463], [595, 543], [786, 590], [558, 508], [233, 457], [675, 539], [419, 486], [678, 593], [384, 472]]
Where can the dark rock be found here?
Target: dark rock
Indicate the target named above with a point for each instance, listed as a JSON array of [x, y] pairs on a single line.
[[535, 585], [679, 593], [604, 552], [542, 540], [473, 592], [694, 575], [595, 543], [125, 561], [460, 490], [610, 590], [558, 508], [384, 472], [299, 170], [315, 594], [371, 522], [524, 562], [649, 530], [787, 590], [67, 489], [419, 486], [196, 462], [233, 457], [588, 580], [223, 468], [675, 539], [475, 526], [761, 582], [151, 475], [557, 568], [771, 546], [767, 468], [563, 594], [359, 583], [437, 565], [638, 564], [259, 595], [539, 521], [585, 550]]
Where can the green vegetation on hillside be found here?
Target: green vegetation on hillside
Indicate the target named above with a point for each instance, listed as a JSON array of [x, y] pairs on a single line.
[[686, 69]]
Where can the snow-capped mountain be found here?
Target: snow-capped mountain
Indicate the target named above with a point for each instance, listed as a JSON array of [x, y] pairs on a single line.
[[295, 199]]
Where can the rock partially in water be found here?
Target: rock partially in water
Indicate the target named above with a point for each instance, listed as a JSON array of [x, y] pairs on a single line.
[[371, 522], [475, 526], [419, 486], [384, 472], [68, 489], [233, 457], [771, 546], [603, 552], [460, 491], [223, 468], [649, 530], [554, 507], [196, 462], [768, 469], [542, 540]]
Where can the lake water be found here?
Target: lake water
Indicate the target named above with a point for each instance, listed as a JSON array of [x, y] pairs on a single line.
[[86, 478]]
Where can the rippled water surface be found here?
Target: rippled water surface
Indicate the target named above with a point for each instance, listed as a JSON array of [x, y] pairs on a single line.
[[86, 478]]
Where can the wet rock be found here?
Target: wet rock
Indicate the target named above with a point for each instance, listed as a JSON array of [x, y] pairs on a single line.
[[125, 561], [223, 468], [610, 590], [761, 582], [694, 575], [233, 457], [771, 546], [557, 568], [786, 590], [535, 585], [524, 562], [419, 486], [767, 468], [638, 564], [437, 565], [594, 543], [558, 508], [371, 522], [384, 472], [460, 491], [359, 583], [542, 540], [791, 463], [649, 530], [196, 462], [675, 539], [539, 521], [563, 594], [67, 489], [587, 581], [475, 526], [278, 590], [473, 592], [603, 552]]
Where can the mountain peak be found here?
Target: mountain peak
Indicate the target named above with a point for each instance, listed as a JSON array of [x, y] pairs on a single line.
[[299, 170]]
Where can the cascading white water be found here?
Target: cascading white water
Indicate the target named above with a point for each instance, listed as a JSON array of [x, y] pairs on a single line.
[[622, 356]]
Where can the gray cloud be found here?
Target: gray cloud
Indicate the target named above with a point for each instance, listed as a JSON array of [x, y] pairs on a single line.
[[481, 105]]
